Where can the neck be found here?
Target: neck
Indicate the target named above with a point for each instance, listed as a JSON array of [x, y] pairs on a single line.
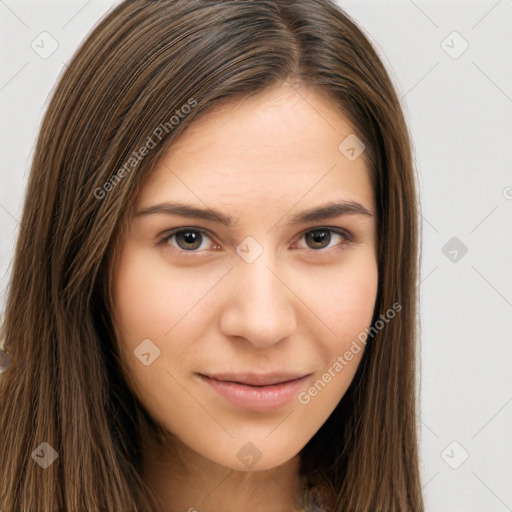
[[183, 480]]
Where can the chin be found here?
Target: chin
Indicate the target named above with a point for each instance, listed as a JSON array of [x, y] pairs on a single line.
[[262, 455]]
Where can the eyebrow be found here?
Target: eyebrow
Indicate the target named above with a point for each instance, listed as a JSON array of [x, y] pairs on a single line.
[[319, 213]]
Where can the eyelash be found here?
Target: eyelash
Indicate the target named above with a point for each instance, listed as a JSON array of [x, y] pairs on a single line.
[[164, 241]]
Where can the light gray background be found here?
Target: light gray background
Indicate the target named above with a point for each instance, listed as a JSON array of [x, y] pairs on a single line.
[[459, 108]]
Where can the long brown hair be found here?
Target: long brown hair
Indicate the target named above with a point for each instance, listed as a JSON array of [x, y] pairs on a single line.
[[130, 80]]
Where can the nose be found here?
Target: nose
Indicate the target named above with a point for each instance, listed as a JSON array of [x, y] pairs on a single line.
[[260, 305]]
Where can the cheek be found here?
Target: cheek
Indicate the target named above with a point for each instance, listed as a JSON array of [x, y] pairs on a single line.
[[137, 292], [343, 298], [153, 301], [347, 302], [148, 302], [353, 302], [151, 297]]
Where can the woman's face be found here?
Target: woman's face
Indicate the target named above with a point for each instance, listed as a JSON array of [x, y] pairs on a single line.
[[237, 294]]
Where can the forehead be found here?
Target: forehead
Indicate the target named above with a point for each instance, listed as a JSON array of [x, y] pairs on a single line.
[[276, 146]]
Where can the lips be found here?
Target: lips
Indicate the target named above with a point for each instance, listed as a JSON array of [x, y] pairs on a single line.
[[257, 380], [256, 392]]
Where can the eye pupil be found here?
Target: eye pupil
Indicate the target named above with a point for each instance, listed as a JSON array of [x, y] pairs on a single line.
[[320, 239], [190, 238]]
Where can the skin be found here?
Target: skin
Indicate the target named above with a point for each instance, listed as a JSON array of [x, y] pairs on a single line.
[[296, 307]]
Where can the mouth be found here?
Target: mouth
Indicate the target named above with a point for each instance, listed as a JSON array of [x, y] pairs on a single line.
[[256, 380], [258, 392]]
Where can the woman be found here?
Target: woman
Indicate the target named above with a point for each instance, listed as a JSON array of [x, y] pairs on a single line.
[[213, 301]]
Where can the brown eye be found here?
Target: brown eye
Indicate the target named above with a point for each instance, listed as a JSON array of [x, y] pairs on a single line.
[[318, 239], [189, 240], [325, 238]]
